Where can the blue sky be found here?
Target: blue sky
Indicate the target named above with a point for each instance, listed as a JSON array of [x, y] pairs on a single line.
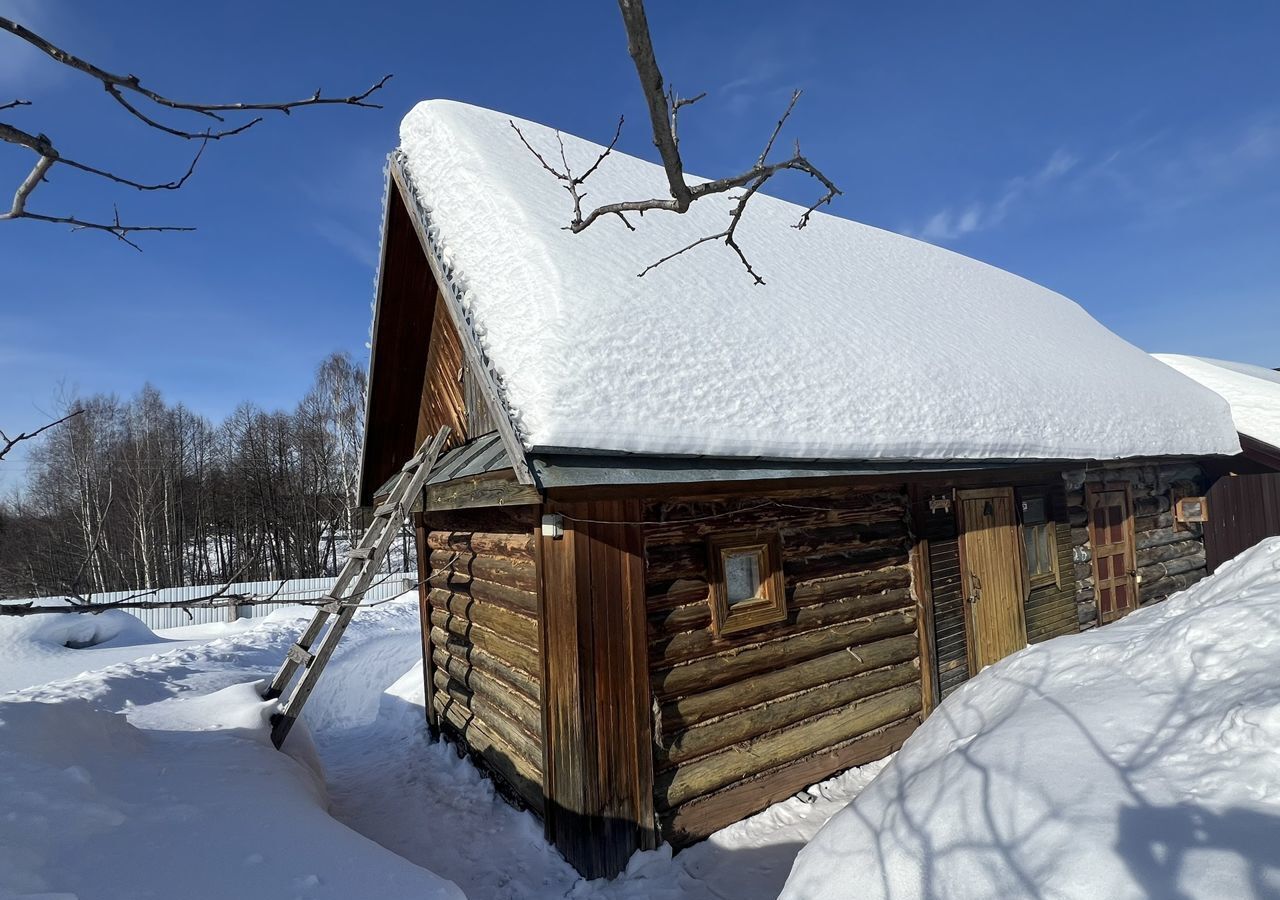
[[1127, 155]]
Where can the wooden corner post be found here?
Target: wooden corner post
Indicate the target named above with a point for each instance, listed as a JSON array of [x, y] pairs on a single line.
[[596, 695]]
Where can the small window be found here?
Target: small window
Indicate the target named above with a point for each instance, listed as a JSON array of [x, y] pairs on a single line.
[[1039, 541], [747, 589]]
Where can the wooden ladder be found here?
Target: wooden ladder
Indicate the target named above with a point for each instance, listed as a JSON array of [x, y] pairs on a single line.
[[348, 591]]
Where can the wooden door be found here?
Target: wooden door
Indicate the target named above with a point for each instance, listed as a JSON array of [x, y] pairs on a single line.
[[991, 575], [1114, 560]]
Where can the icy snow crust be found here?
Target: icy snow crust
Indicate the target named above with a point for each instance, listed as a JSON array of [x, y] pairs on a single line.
[[863, 344], [1252, 391], [1137, 760]]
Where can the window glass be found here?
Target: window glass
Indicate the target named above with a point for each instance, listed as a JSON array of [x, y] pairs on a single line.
[[741, 577], [1038, 541]]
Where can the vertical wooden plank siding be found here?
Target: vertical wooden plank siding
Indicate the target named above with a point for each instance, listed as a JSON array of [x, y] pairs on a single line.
[[484, 660], [1243, 509], [442, 401], [748, 718], [599, 766], [950, 640]]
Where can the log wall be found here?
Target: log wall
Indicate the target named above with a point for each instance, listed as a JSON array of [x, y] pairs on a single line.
[[745, 720], [480, 616], [1171, 557]]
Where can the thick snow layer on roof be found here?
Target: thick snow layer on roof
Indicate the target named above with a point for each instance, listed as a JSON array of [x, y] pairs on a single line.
[[1252, 391], [1135, 760], [862, 345]]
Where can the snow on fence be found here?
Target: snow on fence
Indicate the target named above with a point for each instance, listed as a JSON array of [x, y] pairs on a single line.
[[292, 591]]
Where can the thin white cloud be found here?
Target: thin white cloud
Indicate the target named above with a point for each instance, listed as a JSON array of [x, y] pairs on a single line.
[[951, 223]]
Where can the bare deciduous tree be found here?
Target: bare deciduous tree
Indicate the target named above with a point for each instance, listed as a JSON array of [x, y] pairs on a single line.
[[137, 100], [664, 107]]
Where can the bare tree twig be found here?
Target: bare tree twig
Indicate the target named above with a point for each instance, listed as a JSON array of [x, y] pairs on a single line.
[[664, 108], [117, 86], [11, 442], [221, 598]]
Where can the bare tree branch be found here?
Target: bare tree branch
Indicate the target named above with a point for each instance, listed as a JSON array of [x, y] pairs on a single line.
[[221, 598], [664, 108], [11, 442], [118, 86]]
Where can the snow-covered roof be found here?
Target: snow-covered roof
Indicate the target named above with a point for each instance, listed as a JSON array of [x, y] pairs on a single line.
[[863, 344], [1253, 392]]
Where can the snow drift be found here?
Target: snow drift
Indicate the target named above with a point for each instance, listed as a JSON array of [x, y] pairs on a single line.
[[895, 348], [1138, 760]]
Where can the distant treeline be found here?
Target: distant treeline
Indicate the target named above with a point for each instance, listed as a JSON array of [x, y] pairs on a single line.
[[141, 493]]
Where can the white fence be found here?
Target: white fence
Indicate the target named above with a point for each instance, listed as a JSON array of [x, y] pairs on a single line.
[[288, 593]]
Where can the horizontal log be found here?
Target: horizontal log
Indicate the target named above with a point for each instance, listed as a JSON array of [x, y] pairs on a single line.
[[479, 491], [1162, 552], [720, 769], [684, 712], [782, 712], [689, 645], [482, 543], [697, 614], [714, 671], [1173, 566], [704, 816], [482, 696], [515, 599], [1151, 523], [1151, 506], [513, 653], [1160, 588], [666, 563], [804, 543], [512, 571], [457, 612], [848, 509], [479, 664], [523, 774]]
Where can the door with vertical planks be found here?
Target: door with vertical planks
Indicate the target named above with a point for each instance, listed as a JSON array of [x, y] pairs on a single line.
[[1114, 559], [991, 575]]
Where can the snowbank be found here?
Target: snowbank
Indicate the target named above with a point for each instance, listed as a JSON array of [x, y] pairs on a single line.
[[1138, 760], [157, 778], [39, 648], [1252, 391], [899, 349]]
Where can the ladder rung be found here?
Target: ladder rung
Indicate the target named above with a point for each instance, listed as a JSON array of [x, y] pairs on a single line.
[[300, 655], [386, 509], [413, 463], [333, 607], [360, 553]]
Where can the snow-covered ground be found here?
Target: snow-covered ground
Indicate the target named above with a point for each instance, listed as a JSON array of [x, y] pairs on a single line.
[[138, 765], [1142, 759], [1137, 760]]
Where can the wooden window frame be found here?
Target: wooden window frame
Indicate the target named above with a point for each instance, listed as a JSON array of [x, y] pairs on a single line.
[[1054, 576], [770, 606]]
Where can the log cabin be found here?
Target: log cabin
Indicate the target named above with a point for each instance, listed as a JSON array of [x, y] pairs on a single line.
[[698, 543]]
